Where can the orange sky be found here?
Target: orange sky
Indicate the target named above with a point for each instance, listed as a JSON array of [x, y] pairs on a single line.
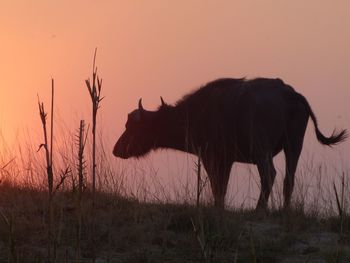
[[163, 48], [152, 48]]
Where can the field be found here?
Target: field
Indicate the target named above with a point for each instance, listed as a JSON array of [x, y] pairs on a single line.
[[118, 224], [122, 229]]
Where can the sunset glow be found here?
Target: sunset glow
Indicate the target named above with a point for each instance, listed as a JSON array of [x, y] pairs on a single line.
[[202, 151], [157, 48]]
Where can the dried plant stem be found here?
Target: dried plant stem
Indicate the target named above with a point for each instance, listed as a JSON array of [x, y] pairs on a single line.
[[81, 166], [51, 139], [81, 162], [340, 202], [49, 170], [94, 89], [199, 180]]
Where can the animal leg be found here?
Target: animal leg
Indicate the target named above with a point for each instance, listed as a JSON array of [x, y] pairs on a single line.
[[219, 176], [292, 153], [267, 174], [219, 191], [293, 145]]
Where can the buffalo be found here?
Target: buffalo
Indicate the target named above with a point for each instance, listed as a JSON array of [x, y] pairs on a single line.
[[226, 121]]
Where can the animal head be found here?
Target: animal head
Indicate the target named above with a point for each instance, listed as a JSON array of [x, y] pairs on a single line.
[[140, 135]]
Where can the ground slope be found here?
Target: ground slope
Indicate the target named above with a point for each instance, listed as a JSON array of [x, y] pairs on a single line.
[[126, 230]]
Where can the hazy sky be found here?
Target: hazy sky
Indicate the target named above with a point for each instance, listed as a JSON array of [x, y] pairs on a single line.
[[168, 48]]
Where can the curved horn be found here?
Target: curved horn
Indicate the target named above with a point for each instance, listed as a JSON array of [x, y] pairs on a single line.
[[140, 104], [161, 99]]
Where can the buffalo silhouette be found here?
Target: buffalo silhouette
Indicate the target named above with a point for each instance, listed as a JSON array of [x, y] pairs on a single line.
[[226, 121]]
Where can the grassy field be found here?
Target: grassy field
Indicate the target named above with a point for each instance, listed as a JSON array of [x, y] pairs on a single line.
[[67, 222], [120, 229]]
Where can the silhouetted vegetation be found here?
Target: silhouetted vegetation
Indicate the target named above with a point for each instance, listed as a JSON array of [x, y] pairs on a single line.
[[51, 210]]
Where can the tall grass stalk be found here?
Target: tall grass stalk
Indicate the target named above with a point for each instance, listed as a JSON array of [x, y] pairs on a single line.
[[81, 167], [94, 88], [199, 180], [340, 202], [49, 170]]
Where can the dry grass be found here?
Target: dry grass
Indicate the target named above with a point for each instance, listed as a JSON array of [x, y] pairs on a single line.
[[132, 224], [127, 230]]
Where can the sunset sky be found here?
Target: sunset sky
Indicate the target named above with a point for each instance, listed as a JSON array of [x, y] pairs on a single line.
[[168, 48]]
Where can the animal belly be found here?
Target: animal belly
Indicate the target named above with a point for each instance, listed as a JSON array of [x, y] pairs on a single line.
[[251, 149]]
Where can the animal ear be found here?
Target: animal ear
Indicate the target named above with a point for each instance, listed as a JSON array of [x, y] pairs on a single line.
[[163, 103], [140, 104]]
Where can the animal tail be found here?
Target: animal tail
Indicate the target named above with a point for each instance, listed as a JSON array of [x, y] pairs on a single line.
[[334, 139]]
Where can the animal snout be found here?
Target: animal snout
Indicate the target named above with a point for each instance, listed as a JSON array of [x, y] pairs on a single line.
[[119, 152], [115, 151]]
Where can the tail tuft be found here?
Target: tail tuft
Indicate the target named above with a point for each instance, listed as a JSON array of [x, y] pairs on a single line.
[[334, 139]]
